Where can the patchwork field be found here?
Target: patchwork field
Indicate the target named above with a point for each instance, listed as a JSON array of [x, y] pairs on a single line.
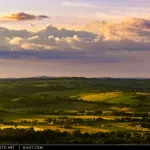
[[91, 105]]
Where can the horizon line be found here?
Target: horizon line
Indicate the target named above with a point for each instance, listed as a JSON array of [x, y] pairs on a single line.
[[74, 77]]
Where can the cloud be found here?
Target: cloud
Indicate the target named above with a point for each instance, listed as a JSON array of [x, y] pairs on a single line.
[[133, 29], [43, 17], [16, 41], [101, 42], [34, 46], [33, 38], [79, 4], [21, 16]]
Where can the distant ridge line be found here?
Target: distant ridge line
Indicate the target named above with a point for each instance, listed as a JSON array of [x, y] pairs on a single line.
[[51, 77]]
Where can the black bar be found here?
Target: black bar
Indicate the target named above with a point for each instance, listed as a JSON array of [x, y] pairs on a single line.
[[49, 147]]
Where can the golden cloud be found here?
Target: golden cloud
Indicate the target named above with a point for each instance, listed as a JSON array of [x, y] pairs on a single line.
[[21, 16]]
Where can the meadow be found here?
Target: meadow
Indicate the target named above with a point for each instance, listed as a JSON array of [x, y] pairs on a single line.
[[70, 104]]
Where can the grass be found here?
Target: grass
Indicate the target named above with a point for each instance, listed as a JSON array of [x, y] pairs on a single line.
[[5, 86], [18, 116], [16, 99], [56, 93], [89, 129], [120, 127]]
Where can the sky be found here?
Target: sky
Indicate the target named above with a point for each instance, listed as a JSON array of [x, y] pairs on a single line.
[[73, 13], [98, 38]]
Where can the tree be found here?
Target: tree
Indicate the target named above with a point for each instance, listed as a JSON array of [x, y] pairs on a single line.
[[77, 133]]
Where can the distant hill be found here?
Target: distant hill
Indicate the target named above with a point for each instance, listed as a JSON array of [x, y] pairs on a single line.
[[52, 77]]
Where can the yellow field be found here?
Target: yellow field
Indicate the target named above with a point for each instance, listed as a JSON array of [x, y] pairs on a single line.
[[127, 109], [20, 127], [31, 119], [115, 117], [140, 93], [54, 127], [100, 96]]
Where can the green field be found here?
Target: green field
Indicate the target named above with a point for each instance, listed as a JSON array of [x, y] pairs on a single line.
[[80, 98]]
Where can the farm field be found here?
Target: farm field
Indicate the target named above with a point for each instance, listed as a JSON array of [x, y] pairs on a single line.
[[69, 104]]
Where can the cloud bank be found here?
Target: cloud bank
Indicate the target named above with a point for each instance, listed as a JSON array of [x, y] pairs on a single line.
[[101, 42]]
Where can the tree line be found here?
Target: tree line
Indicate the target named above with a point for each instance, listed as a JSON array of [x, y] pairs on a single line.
[[30, 136]]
